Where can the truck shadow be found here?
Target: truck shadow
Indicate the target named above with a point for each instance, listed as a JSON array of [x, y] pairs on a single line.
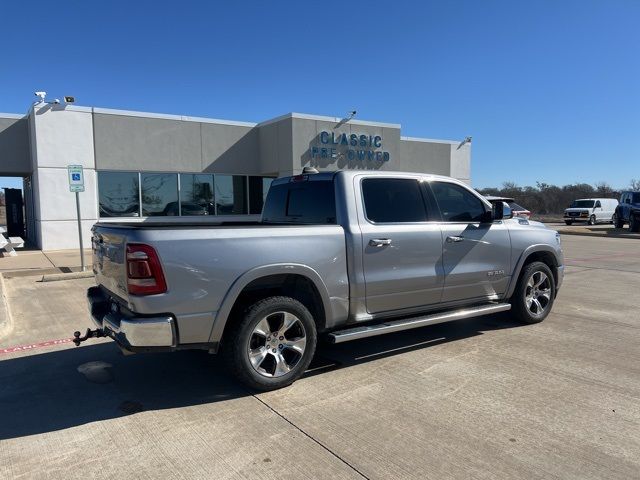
[[47, 392]]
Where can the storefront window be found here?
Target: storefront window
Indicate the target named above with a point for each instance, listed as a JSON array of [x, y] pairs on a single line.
[[199, 194], [230, 194], [118, 194], [196, 194], [258, 188], [159, 194]]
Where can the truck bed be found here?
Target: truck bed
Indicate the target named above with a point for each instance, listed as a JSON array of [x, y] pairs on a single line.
[[202, 261]]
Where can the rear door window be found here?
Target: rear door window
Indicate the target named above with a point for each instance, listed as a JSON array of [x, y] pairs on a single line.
[[393, 200], [306, 202], [457, 204]]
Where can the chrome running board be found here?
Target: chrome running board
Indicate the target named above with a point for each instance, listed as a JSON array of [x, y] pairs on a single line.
[[364, 331]]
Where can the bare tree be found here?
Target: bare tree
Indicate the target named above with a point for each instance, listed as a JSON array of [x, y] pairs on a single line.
[[546, 199], [603, 189], [634, 184]]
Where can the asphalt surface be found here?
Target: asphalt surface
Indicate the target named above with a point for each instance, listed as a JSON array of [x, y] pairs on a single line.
[[484, 398]]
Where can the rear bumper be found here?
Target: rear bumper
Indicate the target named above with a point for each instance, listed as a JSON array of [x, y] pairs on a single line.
[[131, 332]]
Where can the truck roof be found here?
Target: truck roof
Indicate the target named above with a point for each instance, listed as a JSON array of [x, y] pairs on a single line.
[[320, 176]]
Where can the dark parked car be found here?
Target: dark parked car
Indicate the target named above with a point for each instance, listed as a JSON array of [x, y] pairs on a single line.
[[628, 211]]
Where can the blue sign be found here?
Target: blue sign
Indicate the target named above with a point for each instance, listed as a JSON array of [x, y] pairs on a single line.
[[76, 178], [354, 147]]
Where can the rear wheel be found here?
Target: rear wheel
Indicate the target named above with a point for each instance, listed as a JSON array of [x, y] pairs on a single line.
[[592, 220], [272, 344], [534, 294]]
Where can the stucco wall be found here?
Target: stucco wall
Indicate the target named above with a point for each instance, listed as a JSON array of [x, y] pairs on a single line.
[[126, 142], [425, 156], [62, 137]]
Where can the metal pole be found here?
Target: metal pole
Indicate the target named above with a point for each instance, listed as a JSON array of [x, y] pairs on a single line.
[[80, 231]]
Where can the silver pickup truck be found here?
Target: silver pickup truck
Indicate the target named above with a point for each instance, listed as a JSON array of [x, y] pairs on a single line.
[[345, 254]]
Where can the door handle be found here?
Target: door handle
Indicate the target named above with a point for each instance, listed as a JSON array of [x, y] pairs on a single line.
[[379, 242], [454, 239]]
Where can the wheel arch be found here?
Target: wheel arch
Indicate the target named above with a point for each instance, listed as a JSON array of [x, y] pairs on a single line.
[[273, 280], [534, 253]]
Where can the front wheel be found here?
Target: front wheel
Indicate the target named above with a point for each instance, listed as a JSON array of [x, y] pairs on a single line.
[[568, 222], [534, 294], [592, 220], [617, 221], [272, 345]]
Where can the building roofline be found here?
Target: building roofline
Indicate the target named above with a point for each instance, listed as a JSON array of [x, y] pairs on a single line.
[[166, 116], [322, 118], [12, 115], [428, 140], [187, 118]]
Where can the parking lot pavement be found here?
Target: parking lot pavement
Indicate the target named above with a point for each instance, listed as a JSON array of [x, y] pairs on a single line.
[[603, 230], [483, 398]]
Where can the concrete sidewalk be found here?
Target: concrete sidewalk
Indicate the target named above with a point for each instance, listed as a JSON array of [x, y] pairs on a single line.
[[37, 262]]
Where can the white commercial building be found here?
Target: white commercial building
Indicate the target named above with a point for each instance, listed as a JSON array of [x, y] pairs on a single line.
[[141, 166]]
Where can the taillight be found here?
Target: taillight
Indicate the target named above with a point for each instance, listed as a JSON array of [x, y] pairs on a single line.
[[144, 273]]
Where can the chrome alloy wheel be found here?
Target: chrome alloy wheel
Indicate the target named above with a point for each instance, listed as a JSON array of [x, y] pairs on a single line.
[[537, 294], [277, 344]]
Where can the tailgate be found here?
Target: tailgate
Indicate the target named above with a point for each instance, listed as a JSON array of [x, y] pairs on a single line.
[[109, 263]]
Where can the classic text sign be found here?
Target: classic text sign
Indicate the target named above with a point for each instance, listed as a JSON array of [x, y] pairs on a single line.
[[354, 147], [76, 178]]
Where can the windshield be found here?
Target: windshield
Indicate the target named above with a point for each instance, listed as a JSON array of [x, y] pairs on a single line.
[[582, 204]]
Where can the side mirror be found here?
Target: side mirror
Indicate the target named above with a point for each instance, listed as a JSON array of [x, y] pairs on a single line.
[[497, 212], [506, 211]]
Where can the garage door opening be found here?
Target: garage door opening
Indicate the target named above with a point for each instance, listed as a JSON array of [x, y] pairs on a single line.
[[16, 208]]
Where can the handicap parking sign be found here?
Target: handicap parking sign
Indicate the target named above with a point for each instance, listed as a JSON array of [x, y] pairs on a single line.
[[76, 178]]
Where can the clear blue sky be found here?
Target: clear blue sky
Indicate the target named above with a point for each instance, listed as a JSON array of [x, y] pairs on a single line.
[[549, 90]]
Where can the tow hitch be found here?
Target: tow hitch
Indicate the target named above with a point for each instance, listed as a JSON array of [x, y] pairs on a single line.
[[97, 333]]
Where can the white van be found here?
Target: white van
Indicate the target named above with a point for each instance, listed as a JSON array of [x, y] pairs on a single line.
[[591, 210]]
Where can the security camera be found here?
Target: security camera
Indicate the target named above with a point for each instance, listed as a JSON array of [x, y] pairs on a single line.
[[464, 142], [40, 95], [352, 113], [56, 101]]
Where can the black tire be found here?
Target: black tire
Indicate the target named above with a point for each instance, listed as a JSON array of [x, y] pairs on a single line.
[[634, 224], [519, 303], [237, 342], [617, 221], [592, 220], [568, 222]]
